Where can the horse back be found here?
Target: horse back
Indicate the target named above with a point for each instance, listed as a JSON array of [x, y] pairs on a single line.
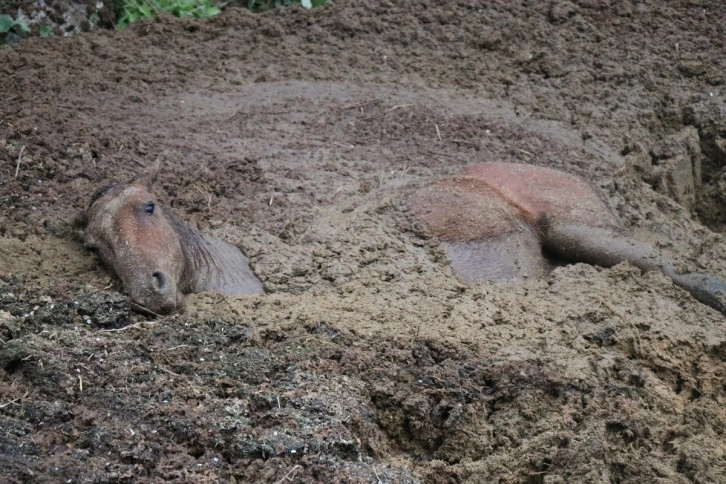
[[543, 192]]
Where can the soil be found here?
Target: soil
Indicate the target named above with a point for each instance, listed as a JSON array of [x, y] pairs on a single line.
[[299, 135]]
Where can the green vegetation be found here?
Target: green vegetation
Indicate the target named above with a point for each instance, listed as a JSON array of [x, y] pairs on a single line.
[[8, 24], [12, 30], [133, 10], [130, 11]]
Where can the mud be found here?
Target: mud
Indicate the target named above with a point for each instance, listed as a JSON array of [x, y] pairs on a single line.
[[299, 135]]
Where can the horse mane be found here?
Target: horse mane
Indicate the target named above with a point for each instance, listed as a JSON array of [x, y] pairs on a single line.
[[81, 219], [100, 192], [210, 263], [194, 246]]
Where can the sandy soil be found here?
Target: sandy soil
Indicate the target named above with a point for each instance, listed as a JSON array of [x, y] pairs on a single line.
[[299, 135]]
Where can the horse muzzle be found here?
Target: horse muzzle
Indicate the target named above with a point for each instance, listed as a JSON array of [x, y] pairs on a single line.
[[156, 294]]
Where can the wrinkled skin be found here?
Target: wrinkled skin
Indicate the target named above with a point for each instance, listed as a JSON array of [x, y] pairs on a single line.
[[158, 258], [495, 221]]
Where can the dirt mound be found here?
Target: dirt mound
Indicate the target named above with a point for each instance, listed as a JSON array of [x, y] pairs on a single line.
[[299, 136]]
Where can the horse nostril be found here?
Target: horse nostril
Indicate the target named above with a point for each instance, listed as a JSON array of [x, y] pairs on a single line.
[[160, 281]]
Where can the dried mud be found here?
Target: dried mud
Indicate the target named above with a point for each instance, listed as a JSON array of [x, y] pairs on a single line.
[[299, 135]]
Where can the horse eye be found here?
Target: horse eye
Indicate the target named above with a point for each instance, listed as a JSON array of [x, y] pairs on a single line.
[[149, 208]]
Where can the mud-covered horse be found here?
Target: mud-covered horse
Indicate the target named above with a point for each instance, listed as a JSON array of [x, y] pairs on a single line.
[[158, 257], [496, 219]]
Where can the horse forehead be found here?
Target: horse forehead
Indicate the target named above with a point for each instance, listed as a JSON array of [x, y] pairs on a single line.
[[110, 210]]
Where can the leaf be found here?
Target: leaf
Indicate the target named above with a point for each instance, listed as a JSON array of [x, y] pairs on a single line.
[[184, 4], [146, 11], [212, 11], [6, 23]]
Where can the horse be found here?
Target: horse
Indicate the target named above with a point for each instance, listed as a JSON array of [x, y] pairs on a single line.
[[500, 221], [158, 257]]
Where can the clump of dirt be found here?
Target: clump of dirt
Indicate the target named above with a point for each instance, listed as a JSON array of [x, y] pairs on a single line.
[[299, 136]]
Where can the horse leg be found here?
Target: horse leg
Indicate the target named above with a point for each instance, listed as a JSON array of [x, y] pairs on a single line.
[[513, 255], [485, 236], [707, 288], [607, 246]]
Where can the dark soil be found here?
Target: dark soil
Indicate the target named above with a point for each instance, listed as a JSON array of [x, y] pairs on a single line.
[[299, 135]]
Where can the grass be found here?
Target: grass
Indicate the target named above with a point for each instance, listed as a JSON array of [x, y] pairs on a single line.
[[134, 10]]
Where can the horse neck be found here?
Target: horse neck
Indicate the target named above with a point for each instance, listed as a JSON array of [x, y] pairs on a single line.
[[211, 263]]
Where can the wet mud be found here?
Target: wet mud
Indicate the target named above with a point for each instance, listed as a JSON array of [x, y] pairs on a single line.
[[299, 136]]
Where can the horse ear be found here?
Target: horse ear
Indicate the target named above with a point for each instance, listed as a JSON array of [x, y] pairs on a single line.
[[149, 176]]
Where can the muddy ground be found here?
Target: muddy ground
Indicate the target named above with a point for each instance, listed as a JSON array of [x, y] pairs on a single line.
[[299, 135]]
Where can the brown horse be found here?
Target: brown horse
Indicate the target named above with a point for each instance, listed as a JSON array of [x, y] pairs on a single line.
[[495, 221], [158, 257]]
